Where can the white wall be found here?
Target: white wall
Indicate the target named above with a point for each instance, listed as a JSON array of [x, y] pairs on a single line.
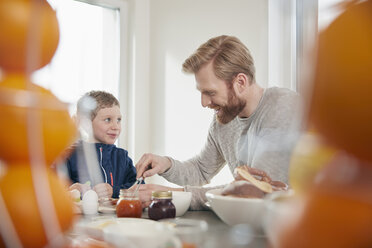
[[167, 117], [282, 43], [179, 124]]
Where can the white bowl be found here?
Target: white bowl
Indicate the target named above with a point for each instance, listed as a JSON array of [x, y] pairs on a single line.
[[281, 207], [94, 227], [181, 201], [236, 210], [141, 233]]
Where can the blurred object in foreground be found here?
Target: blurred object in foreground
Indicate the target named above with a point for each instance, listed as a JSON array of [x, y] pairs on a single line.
[[336, 212], [191, 232], [87, 242], [308, 158], [280, 209], [26, 110], [16, 18], [18, 193], [341, 105], [35, 127]]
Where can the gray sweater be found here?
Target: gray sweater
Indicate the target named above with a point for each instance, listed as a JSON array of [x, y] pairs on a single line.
[[264, 140]]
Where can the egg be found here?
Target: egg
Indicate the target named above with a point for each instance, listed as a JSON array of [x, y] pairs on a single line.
[[90, 202], [75, 195], [90, 195]]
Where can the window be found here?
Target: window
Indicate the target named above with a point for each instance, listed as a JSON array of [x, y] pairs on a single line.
[[90, 54]]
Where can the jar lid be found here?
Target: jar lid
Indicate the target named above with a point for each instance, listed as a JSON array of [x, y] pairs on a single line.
[[125, 193], [162, 194]]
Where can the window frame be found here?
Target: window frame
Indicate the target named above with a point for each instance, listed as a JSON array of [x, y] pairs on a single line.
[[125, 84]]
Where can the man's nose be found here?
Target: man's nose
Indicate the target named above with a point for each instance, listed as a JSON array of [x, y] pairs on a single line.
[[205, 100]]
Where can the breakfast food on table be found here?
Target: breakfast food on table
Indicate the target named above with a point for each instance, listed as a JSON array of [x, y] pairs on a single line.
[[252, 183], [129, 204], [90, 202], [162, 206], [75, 195], [108, 202], [243, 188]]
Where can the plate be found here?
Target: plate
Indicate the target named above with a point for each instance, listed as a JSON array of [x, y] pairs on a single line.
[[94, 227], [107, 209], [132, 232]]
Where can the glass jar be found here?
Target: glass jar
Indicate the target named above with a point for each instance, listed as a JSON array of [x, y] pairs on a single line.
[[128, 205], [162, 206]]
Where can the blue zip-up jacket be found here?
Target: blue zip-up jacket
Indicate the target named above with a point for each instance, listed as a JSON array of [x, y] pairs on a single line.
[[116, 167]]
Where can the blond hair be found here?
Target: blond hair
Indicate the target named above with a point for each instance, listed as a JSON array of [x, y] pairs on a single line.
[[229, 56], [102, 99]]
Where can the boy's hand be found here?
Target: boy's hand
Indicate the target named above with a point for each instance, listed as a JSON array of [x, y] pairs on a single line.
[[145, 192], [103, 190], [151, 164], [81, 187]]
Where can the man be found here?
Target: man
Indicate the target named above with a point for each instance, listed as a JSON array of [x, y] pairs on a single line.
[[253, 126]]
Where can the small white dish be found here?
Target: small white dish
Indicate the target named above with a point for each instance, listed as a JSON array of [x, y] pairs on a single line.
[[94, 226], [191, 232], [181, 201], [141, 233], [107, 210]]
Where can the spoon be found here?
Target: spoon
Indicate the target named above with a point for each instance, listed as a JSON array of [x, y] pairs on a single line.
[[138, 182]]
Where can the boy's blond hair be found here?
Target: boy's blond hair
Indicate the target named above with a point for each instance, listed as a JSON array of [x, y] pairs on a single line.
[[103, 100]]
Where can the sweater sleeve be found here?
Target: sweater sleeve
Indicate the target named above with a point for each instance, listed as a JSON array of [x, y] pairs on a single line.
[[197, 171], [200, 169]]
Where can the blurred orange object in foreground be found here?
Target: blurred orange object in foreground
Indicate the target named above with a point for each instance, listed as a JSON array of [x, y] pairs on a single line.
[[341, 106], [35, 128], [308, 158], [32, 118], [337, 212], [17, 189], [16, 19]]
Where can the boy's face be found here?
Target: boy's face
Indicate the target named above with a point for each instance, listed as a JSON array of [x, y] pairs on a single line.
[[107, 125]]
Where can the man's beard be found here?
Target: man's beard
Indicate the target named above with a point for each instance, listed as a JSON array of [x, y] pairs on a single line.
[[232, 109]]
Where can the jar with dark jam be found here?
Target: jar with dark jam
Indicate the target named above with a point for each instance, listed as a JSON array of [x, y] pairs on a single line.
[[162, 206], [128, 205]]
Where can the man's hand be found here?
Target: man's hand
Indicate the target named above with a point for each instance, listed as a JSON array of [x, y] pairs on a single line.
[[145, 192], [151, 164], [103, 190], [81, 187]]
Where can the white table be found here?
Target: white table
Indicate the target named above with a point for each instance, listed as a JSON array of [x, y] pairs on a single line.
[[221, 235], [218, 235]]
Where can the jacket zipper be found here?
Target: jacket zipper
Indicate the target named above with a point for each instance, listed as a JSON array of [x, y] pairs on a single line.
[[100, 152]]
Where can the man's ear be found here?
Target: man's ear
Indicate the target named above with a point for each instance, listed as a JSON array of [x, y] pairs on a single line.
[[241, 82]]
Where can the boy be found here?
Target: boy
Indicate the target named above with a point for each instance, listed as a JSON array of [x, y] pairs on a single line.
[[115, 166]]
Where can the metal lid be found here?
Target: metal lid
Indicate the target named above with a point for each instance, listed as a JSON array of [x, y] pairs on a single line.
[[125, 193], [162, 194]]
